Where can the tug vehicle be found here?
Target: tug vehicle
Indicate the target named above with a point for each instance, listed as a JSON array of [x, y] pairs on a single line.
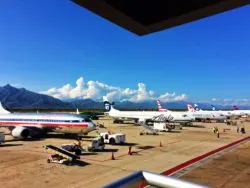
[[111, 138]]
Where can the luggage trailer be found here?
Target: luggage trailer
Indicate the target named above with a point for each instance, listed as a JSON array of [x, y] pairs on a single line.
[[60, 156]]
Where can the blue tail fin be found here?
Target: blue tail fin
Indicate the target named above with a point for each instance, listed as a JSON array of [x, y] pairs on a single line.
[[196, 107], [213, 107]]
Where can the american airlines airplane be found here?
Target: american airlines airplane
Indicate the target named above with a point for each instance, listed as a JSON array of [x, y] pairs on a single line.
[[144, 116], [160, 109], [227, 113], [204, 114], [23, 125]]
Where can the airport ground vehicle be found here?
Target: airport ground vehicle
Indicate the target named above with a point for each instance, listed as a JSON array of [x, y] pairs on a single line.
[[77, 149], [96, 145], [163, 126], [148, 130], [109, 138], [2, 137], [60, 156]]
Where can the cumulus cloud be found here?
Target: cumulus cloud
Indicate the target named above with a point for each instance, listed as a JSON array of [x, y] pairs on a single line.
[[231, 102], [96, 90]]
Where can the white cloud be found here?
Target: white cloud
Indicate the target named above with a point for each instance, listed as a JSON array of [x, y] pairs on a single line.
[[96, 90], [232, 102], [167, 97], [214, 99]]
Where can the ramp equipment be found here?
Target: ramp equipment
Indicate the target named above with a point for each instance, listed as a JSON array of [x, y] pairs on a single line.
[[60, 156], [147, 130]]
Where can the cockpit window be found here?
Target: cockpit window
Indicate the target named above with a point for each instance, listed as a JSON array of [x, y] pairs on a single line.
[[87, 120]]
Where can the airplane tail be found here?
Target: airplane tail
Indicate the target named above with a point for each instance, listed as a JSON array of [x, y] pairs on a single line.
[[2, 110], [77, 111], [160, 109], [107, 105], [235, 108], [213, 107], [190, 108], [196, 107]]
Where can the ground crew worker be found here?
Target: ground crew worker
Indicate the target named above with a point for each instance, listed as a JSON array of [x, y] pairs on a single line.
[[215, 129], [218, 134], [98, 134], [238, 128], [242, 128]]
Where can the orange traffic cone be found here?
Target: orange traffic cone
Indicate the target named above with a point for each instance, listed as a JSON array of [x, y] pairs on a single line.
[[112, 156], [160, 144], [130, 150]]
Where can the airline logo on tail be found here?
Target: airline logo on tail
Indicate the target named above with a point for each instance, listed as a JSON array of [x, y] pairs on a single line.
[[213, 107], [196, 107], [107, 105], [235, 108], [190, 108], [160, 109]]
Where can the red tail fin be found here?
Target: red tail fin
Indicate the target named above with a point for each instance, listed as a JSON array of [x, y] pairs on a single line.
[[160, 109], [235, 108], [190, 108]]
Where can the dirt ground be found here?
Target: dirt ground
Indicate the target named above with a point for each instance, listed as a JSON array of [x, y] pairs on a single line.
[[229, 170], [23, 163]]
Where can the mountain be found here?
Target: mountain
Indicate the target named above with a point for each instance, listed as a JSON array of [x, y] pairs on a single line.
[[86, 104], [14, 98], [20, 98]]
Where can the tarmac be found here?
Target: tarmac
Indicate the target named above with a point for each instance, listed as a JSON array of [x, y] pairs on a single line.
[[23, 163]]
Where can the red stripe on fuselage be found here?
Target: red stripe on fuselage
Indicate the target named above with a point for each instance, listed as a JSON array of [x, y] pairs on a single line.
[[6, 123]]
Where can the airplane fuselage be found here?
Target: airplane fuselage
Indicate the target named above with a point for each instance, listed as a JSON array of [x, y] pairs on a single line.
[[149, 115], [48, 122]]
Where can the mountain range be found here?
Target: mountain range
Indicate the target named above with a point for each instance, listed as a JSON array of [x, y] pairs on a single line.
[[20, 98]]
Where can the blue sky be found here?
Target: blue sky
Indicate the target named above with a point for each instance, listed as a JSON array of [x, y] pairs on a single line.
[[54, 42]]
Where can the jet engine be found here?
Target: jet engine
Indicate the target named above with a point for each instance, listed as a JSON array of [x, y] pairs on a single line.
[[20, 132]]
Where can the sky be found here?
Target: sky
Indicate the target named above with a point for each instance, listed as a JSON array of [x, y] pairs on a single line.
[[58, 48]]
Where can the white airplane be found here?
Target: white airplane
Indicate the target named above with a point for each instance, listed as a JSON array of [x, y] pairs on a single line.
[[144, 116], [205, 114], [23, 125], [238, 112], [227, 113]]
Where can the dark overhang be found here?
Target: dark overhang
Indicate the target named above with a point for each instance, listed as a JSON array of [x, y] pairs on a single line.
[[147, 16]]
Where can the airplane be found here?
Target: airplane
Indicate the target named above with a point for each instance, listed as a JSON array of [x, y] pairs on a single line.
[[218, 115], [188, 113], [144, 116], [238, 112], [205, 114], [24, 125], [227, 113]]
